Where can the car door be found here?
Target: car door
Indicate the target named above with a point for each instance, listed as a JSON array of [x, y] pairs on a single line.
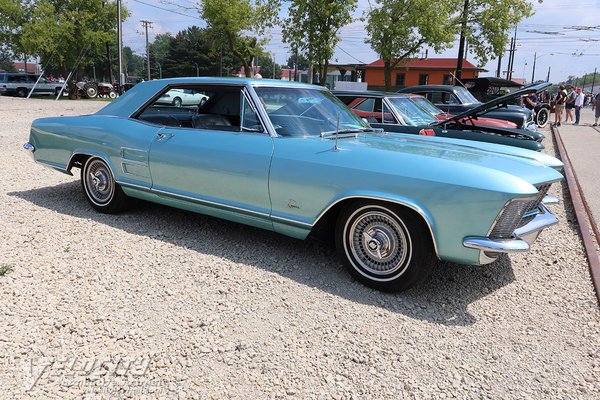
[[220, 163]]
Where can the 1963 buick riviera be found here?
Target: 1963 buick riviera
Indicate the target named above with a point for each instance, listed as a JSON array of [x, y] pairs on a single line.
[[293, 159]]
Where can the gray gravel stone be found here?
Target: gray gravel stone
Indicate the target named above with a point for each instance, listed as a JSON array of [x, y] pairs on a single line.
[[161, 303]]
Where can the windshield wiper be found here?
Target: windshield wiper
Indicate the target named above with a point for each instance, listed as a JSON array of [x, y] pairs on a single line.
[[341, 131]]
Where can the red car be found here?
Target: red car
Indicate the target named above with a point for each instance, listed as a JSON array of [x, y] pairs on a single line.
[[442, 116]]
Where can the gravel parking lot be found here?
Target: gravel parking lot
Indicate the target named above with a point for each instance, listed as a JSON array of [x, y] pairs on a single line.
[[162, 303]]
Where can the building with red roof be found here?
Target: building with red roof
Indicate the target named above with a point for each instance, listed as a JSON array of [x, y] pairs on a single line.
[[418, 71]]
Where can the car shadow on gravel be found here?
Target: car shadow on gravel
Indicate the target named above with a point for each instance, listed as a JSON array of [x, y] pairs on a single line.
[[443, 298]]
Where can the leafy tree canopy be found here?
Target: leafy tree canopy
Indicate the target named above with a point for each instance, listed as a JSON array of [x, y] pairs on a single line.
[[231, 19], [313, 26], [398, 28]]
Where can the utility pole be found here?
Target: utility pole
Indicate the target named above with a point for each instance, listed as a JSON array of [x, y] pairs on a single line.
[[108, 57], [499, 70], [146, 25], [512, 53], [594, 80], [533, 70], [120, 40], [548, 77], [461, 43]]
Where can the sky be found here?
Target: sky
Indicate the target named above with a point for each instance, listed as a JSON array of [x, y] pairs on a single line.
[[563, 36]]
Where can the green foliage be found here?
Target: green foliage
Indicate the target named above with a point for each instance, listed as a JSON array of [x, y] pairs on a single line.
[[313, 26], [268, 68], [4, 269], [488, 25], [230, 19], [301, 61], [6, 63], [398, 28], [63, 33], [133, 64]]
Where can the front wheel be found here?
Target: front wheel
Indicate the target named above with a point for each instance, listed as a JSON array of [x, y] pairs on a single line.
[[177, 102], [541, 117], [100, 188], [383, 246]]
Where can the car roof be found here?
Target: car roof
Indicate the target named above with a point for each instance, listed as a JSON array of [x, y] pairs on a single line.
[[372, 93], [139, 95], [500, 101]]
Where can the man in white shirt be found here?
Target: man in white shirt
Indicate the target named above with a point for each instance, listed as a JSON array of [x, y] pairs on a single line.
[[578, 105]]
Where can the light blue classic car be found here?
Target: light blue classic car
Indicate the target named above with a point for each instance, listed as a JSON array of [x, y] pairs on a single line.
[[293, 159]]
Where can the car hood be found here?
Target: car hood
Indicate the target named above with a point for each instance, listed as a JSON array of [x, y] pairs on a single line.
[[489, 165], [499, 102]]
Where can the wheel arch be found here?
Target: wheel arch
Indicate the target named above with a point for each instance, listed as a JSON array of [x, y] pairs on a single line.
[[325, 222], [80, 157]]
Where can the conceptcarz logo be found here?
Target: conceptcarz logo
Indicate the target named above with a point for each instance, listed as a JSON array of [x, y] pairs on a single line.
[[94, 374]]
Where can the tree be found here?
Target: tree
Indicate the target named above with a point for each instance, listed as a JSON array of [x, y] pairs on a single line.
[[398, 28], [135, 65], [313, 26], [485, 24], [6, 63], [69, 34], [268, 68], [159, 49], [229, 19], [302, 62]]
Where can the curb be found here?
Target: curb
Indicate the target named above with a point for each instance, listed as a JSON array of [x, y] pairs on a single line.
[[583, 215]]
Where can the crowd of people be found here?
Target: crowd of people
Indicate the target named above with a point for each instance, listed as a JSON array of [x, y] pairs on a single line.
[[52, 78], [572, 101]]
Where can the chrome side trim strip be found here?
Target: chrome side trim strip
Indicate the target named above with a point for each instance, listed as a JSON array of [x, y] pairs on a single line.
[[209, 202]]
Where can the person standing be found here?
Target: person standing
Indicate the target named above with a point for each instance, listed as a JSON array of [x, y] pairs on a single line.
[[570, 104], [560, 103], [578, 105], [596, 108]]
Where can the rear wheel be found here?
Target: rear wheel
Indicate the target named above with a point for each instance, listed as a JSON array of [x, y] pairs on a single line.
[[21, 92], [91, 90], [541, 117], [100, 188], [177, 102], [383, 246]]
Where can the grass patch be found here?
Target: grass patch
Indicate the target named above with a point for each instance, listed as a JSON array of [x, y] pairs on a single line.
[[4, 269]]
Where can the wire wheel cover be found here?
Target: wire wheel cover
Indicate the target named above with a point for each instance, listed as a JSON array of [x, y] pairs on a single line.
[[99, 183], [379, 243]]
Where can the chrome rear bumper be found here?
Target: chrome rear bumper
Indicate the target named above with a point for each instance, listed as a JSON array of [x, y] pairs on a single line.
[[521, 241]]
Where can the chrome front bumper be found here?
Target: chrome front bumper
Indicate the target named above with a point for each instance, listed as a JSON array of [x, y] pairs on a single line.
[[522, 238]]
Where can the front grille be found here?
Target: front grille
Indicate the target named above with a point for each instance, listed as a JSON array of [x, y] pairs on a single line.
[[517, 213]]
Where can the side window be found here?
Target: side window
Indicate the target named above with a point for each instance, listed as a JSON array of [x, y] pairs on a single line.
[[249, 117], [423, 79], [366, 105], [388, 117], [436, 97], [452, 99], [203, 107]]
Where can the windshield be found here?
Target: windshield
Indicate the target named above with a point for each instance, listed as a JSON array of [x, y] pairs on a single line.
[[465, 96], [426, 105], [308, 112], [410, 112]]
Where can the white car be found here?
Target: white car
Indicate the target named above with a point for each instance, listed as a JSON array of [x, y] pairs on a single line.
[[183, 97]]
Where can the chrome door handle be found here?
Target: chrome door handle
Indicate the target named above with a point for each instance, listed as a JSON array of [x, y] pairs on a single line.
[[164, 136]]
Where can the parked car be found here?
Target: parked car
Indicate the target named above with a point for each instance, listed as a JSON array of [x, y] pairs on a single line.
[[457, 99], [440, 115], [488, 88], [291, 158], [183, 97], [397, 112], [20, 84]]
